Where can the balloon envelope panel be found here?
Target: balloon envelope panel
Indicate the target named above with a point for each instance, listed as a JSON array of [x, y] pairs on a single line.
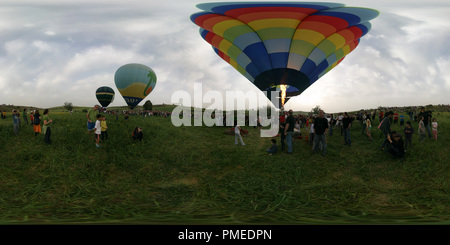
[[134, 82], [272, 43]]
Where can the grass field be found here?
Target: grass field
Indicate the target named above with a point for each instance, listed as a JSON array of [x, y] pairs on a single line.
[[196, 175]]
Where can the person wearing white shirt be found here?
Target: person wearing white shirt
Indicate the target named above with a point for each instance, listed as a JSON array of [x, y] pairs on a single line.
[[98, 131], [237, 135]]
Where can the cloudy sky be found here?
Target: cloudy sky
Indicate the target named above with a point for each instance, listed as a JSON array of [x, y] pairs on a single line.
[[56, 51]]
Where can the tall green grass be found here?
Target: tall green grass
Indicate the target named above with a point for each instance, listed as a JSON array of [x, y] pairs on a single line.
[[196, 175]]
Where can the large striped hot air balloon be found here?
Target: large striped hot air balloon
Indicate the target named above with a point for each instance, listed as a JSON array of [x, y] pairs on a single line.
[[283, 43], [134, 82], [105, 95]]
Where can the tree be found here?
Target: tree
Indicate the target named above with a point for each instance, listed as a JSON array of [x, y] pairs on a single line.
[[148, 105], [316, 110], [68, 106]]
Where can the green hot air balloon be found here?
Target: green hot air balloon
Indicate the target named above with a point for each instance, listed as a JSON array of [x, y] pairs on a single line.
[[105, 95], [135, 82]]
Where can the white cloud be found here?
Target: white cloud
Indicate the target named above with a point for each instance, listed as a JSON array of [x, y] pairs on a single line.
[[69, 48]]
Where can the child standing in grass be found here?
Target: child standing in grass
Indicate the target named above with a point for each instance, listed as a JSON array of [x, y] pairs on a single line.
[[409, 130], [434, 126], [104, 129], [421, 129], [98, 130]]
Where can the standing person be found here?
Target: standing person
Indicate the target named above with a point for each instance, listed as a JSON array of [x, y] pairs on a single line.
[[47, 127], [32, 118], [36, 123], [282, 135], [98, 130], [434, 127], [311, 132], [297, 131], [402, 119], [91, 118], [409, 130], [320, 133], [381, 116], [421, 129], [16, 122], [331, 123], [237, 135], [282, 118], [369, 127], [25, 118], [18, 118], [426, 119], [395, 117], [104, 129], [364, 124], [258, 122], [289, 130], [339, 122], [385, 127], [346, 125]]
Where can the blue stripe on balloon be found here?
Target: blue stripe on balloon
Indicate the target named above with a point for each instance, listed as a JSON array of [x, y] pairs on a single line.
[[279, 60], [258, 54], [308, 66]]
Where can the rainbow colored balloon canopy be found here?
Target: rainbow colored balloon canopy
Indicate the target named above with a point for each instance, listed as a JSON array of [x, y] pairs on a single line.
[[283, 43], [134, 82]]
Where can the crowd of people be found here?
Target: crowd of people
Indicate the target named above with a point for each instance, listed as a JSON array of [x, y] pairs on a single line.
[[96, 122], [41, 124], [319, 126]]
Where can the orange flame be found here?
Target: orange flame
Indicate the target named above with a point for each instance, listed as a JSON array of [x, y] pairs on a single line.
[[283, 93]]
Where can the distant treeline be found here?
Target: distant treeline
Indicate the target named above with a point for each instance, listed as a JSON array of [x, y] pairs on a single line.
[[166, 107]]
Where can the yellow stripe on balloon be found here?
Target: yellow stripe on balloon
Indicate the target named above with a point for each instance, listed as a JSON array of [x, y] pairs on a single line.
[[270, 23], [337, 40], [312, 37], [346, 49], [224, 46], [234, 64], [221, 27]]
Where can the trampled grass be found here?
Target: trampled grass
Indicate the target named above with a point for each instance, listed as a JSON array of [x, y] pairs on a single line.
[[196, 175]]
